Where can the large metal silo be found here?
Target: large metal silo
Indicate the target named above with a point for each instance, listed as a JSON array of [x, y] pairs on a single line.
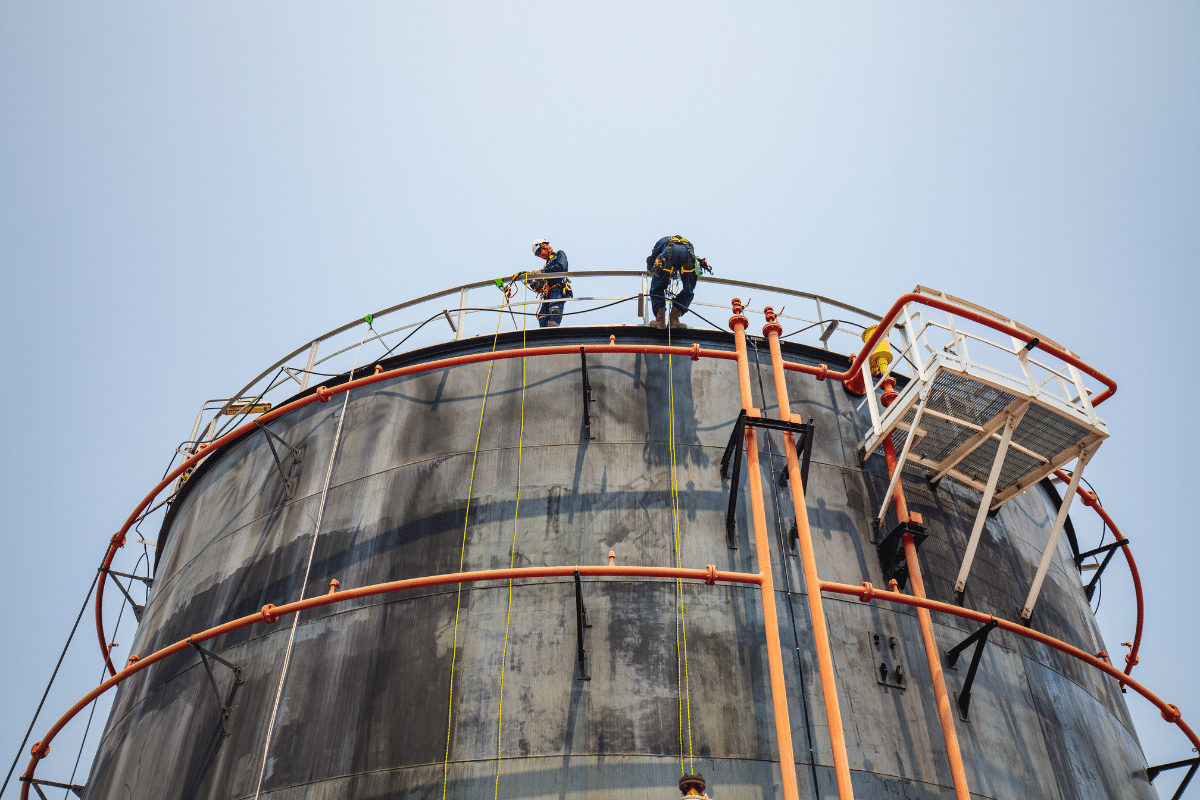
[[467, 690]]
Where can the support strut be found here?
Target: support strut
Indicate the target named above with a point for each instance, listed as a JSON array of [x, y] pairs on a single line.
[[289, 483], [38, 784], [205, 655], [1109, 550], [1194, 763], [979, 639], [734, 452], [581, 623], [587, 397]]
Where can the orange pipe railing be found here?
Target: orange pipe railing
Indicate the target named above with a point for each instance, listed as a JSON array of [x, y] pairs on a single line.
[[271, 614], [1089, 499], [762, 550], [323, 395], [866, 592], [808, 561], [822, 372]]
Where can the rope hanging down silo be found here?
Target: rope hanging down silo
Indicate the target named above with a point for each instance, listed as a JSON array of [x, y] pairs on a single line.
[[312, 551], [682, 688], [512, 554], [461, 559]]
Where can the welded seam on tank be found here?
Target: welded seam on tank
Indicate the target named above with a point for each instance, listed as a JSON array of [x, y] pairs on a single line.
[[680, 620], [512, 559], [461, 559], [287, 655]]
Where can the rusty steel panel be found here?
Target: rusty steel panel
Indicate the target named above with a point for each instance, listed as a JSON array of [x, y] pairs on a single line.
[[367, 708]]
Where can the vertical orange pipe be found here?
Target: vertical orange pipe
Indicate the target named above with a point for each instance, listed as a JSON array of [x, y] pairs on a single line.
[[783, 725], [932, 654], [816, 608]]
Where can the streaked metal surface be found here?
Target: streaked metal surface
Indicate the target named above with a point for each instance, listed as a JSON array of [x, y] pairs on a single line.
[[364, 711]]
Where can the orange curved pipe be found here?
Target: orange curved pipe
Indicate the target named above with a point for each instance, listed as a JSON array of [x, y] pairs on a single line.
[[1089, 499], [808, 560], [323, 395], [866, 593], [822, 372], [762, 551], [271, 614]]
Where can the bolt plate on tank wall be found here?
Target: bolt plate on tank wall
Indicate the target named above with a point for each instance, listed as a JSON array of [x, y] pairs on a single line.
[[962, 419]]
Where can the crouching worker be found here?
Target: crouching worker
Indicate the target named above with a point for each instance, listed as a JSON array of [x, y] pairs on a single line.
[[552, 290], [672, 255]]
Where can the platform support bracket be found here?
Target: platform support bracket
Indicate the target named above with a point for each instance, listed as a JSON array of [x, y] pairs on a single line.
[[137, 607], [1194, 763], [205, 655], [1109, 551], [979, 639], [733, 452]]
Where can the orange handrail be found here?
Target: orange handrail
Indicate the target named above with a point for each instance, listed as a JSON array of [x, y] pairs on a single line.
[[822, 372], [323, 395], [1089, 499], [271, 614], [866, 592]]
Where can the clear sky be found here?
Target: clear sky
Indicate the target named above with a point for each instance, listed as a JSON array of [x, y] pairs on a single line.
[[190, 191]]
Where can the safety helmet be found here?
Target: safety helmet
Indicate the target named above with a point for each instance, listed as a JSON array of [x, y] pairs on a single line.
[[537, 244]]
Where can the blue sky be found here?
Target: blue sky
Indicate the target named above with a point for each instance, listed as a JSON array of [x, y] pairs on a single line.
[[188, 192]]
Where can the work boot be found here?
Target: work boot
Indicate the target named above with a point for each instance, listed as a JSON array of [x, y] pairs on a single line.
[[675, 314], [660, 319], [551, 324]]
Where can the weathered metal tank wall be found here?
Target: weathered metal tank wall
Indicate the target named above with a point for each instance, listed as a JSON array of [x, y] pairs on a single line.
[[364, 710]]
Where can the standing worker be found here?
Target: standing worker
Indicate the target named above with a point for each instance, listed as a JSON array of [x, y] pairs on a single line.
[[551, 290], [672, 255]]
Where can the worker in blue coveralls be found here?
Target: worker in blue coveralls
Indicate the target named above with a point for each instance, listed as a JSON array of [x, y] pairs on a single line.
[[552, 290], [672, 255]]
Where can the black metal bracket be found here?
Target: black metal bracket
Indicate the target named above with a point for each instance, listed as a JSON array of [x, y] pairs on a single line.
[[804, 451], [980, 637], [587, 397], [205, 655], [733, 452], [891, 551], [1194, 763], [581, 623], [37, 785], [289, 483], [1109, 551], [137, 607]]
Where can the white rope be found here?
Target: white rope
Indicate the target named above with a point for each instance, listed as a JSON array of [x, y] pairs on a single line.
[[287, 655]]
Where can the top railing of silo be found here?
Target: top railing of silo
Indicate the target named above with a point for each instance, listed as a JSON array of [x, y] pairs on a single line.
[[819, 321]]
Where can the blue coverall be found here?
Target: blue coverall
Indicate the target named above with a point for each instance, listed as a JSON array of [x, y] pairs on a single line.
[[679, 257], [551, 311]]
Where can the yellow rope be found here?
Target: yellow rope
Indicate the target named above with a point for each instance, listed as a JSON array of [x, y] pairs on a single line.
[[512, 557], [681, 664], [461, 558]]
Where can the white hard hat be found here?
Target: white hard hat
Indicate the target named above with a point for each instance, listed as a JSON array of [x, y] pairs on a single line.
[[537, 244]]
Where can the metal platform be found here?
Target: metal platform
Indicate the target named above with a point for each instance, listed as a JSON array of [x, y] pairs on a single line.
[[999, 423]]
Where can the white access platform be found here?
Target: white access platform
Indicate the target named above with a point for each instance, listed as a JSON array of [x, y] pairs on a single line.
[[981, 407]]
